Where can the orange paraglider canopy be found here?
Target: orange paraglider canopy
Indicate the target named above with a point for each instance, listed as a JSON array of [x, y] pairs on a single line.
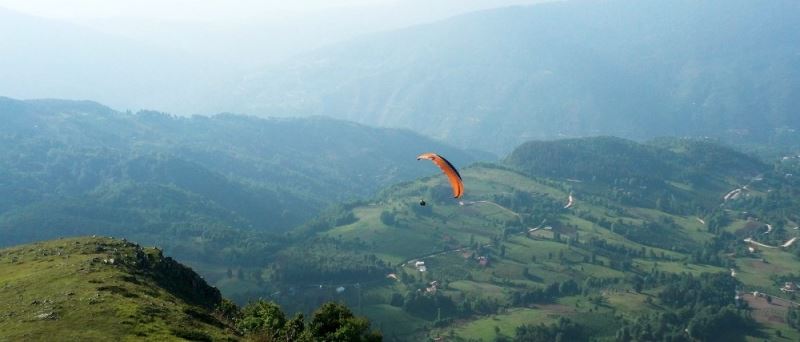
[[448, 169]]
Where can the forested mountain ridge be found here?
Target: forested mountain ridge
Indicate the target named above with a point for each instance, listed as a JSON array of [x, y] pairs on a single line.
[[689, 173], [494, 79], [610, 157], [77, 167]]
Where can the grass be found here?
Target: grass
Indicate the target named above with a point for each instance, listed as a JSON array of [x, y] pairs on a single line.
[[479, 290], [393, 321], [756, 273], [677, 267], [63, 288], [690, 226], [772, 318], [484, 328], [628, 302]]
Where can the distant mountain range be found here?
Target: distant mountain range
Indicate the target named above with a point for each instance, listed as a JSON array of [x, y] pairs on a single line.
[[487, 80], [496, 78]]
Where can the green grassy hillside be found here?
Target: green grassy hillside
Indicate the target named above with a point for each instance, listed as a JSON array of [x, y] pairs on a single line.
[[104, 289]]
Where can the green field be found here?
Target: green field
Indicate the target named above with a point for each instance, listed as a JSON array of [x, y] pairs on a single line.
[[484, 328]]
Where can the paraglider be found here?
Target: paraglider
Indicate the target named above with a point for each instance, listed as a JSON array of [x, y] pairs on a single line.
[[449, 170]]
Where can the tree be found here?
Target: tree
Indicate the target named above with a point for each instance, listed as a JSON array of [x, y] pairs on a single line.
[[793, 317], [334, 322], [228, 311], [563, 330], [397, 300], [262, 318], [388, 218], [294, 328]]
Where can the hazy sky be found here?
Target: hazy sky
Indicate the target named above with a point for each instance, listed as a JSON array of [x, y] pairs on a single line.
[[248, 33], [223, 10], [206, 10], [186, 45]]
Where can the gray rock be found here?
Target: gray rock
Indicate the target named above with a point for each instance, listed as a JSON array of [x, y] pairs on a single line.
[[50, 315]]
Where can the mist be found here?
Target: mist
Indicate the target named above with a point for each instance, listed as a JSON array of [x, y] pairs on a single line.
[[174, 56]]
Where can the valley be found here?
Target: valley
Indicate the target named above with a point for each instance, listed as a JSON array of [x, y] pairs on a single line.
[[588, 238], [601, 263]]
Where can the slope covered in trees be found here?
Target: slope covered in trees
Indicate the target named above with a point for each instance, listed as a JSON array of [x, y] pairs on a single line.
[[679, 175], [193, 185]]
